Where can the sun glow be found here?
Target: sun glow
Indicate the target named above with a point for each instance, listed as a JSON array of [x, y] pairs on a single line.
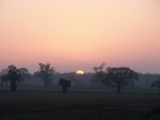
[[75, 38], [79, 72]]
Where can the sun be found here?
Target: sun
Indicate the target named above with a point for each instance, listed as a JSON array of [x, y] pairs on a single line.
[[79, 72]]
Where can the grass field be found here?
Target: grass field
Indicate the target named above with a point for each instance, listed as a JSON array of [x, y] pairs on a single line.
[[77, 106], [81, 90]]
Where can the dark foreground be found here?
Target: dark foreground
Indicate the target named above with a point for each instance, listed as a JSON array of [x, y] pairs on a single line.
[[78, 106]]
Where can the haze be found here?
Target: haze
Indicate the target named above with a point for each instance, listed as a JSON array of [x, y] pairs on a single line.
[[80, 34]]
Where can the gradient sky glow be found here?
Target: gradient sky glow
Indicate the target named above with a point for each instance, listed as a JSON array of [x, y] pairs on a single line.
[[80, 34]]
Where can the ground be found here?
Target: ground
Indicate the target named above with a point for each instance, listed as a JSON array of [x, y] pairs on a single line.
[[77, 106]]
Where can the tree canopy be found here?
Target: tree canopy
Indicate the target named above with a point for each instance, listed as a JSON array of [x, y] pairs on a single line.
[[45, 73], [64, 84], [13, 75], [121, 76], [99, 73]]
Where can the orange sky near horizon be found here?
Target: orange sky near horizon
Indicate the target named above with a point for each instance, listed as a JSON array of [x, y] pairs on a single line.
[[80, 34]]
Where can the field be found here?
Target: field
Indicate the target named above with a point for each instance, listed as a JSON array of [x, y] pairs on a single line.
[[56, 89], [78, 106]]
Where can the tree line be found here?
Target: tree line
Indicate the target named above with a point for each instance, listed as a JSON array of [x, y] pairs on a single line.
[[15, 75], [118, 77], [109, 77]]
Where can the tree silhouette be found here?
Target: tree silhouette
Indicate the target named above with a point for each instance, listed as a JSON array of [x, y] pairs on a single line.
[[24, 74], [99, 73], [156, 84], [45, 73], [64, 84], [121, 76], [13, 76]]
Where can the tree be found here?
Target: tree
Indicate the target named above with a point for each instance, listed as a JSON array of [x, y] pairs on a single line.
[[156, 84], [24, 74], [64, 84], [121, 76], [45, 73], [13, 76], [99, 73]]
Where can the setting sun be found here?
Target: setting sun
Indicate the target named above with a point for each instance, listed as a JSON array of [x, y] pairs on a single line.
[[79, 72]]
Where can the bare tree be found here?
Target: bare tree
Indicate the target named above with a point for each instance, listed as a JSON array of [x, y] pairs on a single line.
[[45, 73], [99, 73], [121, 76]]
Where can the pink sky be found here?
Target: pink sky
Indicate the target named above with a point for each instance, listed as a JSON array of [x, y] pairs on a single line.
[[80, 34]]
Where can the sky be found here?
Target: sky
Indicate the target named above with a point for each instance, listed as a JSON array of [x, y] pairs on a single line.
[[80, 34]]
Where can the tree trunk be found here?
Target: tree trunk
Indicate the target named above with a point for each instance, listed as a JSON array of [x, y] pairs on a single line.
[[159, 90], [118, 89]]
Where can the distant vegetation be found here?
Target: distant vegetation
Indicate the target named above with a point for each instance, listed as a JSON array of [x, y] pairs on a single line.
[[156, 84], [65, 84], [116, 79]]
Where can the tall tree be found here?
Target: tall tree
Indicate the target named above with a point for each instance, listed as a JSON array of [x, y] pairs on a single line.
[[156, 84], [99, 73], [121, 76], [45, 73], [13, 76]]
